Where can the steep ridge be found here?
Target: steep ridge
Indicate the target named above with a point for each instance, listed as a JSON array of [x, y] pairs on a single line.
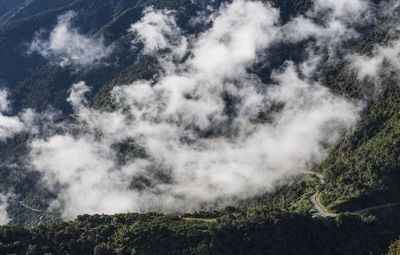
[[6, 6], [362, 168], [28, 8]]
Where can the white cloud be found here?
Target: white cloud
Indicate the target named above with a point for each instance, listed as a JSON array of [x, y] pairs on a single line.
[[334, 28], [9, 125], [4, 218], [369, 67], [157, 30], [4, 103], [237, 35], [67, 46], [343, 9], [77, 94], [27, 120], [198, 149]]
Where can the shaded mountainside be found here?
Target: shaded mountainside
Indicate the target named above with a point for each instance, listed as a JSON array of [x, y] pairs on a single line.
[[36, 83], [31, 76], [6, 5], [361, 170]]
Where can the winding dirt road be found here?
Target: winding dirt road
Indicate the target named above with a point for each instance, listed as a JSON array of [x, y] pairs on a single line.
[[30, 208], [322, 212]]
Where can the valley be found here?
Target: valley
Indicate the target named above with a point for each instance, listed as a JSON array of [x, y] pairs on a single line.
[[199, 127]]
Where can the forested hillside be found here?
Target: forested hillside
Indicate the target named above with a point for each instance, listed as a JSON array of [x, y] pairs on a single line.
[[199, 127]]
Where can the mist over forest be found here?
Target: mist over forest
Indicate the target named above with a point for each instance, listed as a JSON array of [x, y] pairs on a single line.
[[128, 125]]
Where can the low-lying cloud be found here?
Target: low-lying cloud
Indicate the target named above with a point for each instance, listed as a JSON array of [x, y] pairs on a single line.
[[384, 57], [67, 46], [11, 125], [157, 30], [196, 135], [207, 130], [4, 218]]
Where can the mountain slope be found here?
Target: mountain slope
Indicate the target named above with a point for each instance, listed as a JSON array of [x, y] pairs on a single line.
[[5, 5], [360, 170]]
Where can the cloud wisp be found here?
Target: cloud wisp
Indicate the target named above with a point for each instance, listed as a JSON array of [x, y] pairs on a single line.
[[67, 46], [4, 218], [157, 30], [196, 135], [12, 125], [384, 57]]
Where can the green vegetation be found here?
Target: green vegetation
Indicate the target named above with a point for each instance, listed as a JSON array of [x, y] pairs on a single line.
[[146, 68], [365, 165], [362, 169], [318, 200], [278, 223], [206, 220], [260, 230], [394, 248], [294, 197]]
